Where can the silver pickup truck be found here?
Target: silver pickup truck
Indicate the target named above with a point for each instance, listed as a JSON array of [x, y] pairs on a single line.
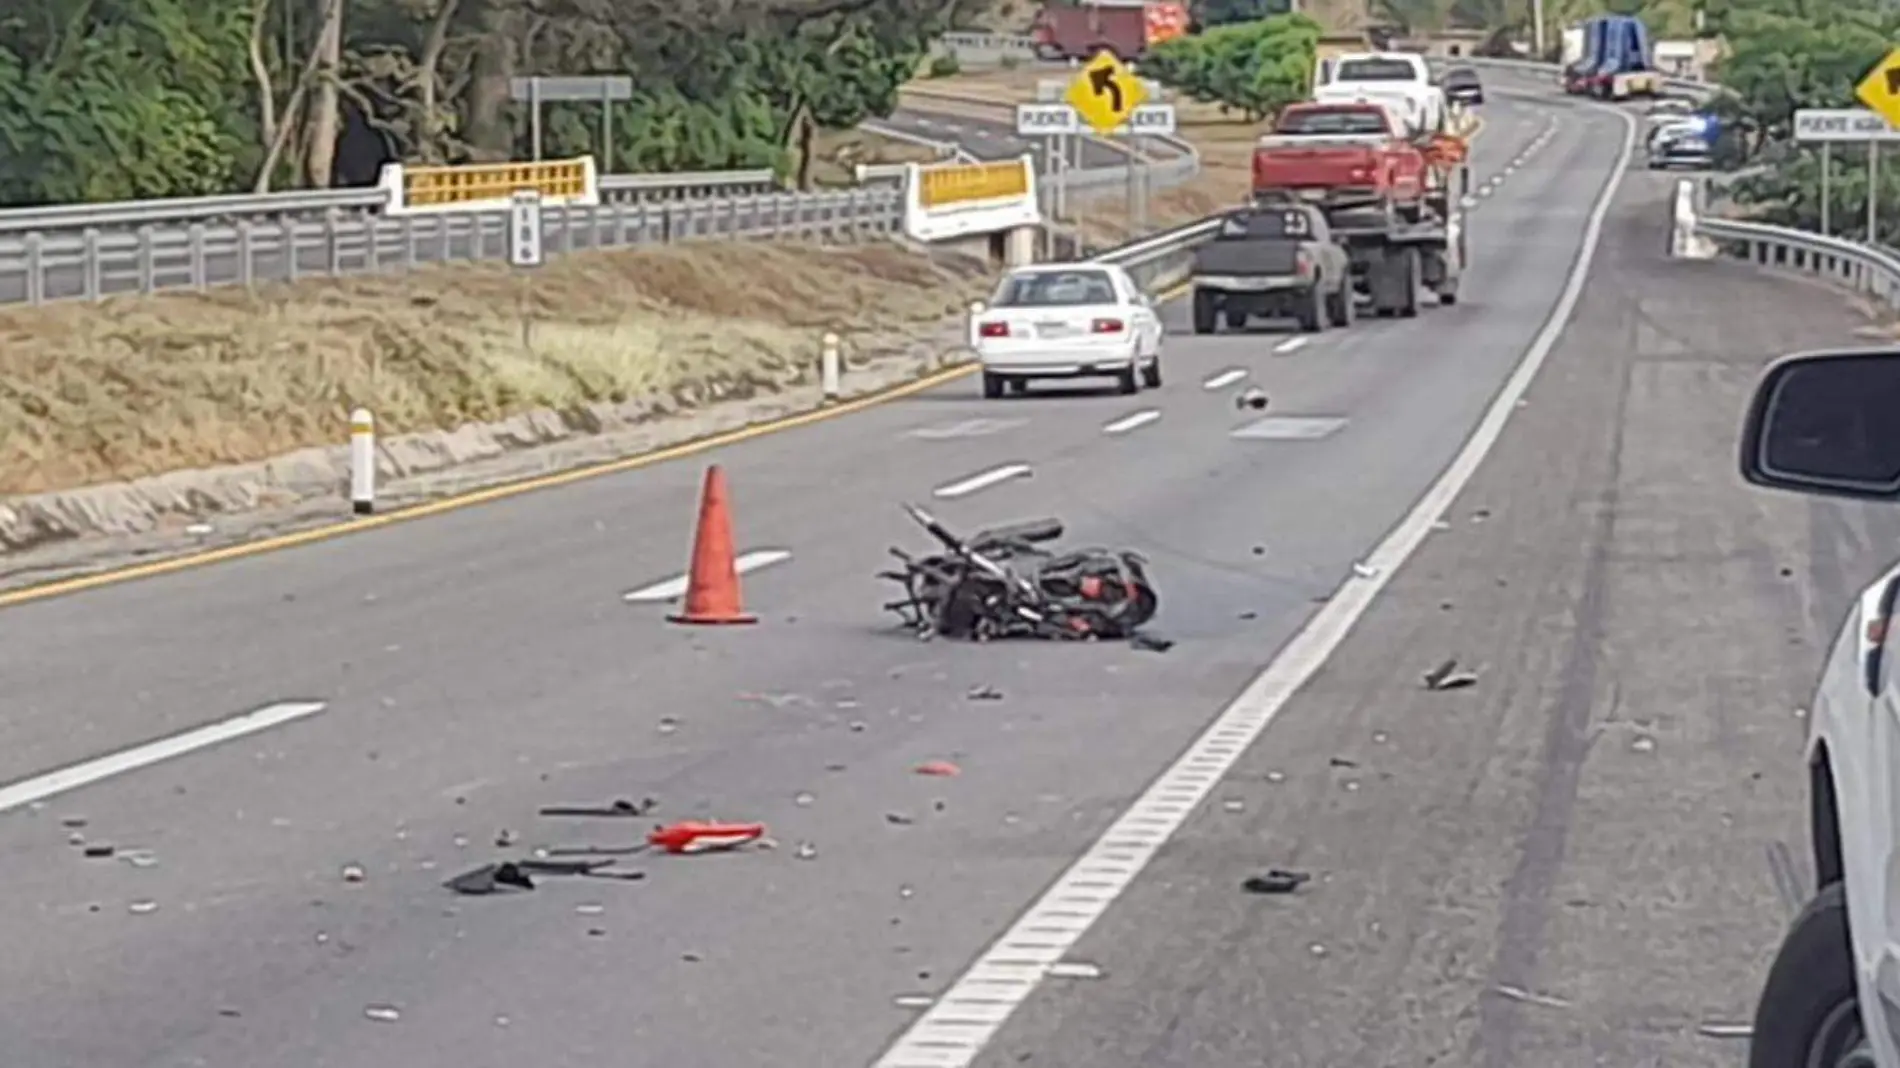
[[1273, 262]]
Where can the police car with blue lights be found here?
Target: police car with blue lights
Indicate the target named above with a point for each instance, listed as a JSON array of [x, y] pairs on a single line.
[[1681, 139]]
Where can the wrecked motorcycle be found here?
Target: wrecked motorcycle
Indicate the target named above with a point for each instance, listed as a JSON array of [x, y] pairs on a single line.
[[1002, 584]]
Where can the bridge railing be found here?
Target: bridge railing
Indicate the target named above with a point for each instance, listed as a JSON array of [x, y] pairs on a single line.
[[218, 246]]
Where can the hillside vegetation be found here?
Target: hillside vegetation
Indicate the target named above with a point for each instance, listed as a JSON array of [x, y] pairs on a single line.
[[117, 99]]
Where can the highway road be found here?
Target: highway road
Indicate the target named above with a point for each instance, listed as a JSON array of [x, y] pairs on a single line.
[[478, 665]]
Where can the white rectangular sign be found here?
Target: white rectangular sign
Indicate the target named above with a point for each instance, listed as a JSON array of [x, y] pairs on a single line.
[[1149, 120], [524, 228], [1046, 120], [1842, 124], [1050, 90]]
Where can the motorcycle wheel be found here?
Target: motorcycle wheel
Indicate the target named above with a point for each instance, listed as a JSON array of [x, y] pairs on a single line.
[[1143, 605], [1809, 1013]]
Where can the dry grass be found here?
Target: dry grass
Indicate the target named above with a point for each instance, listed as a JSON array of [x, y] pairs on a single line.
[[137, 386]]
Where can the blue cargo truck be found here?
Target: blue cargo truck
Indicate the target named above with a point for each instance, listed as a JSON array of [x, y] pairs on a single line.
[[1617, 61]]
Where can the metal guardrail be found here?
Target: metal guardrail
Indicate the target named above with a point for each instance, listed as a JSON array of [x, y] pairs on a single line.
[[987, 45], [179, 211], [38, 267], [1861, 268], [223, 247]]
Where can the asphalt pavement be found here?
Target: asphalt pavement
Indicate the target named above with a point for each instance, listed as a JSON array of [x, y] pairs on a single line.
[[475, 666]]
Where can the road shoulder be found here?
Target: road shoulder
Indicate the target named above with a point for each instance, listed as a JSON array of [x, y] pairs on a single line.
[[1568, 855]]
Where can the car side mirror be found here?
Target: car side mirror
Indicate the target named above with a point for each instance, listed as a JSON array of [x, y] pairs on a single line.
[[1827, 423]]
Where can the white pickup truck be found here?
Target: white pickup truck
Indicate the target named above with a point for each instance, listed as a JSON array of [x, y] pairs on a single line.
[[1399, 80]]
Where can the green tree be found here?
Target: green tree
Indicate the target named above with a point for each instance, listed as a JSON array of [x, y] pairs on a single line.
[[1255, 68], [140, 98]]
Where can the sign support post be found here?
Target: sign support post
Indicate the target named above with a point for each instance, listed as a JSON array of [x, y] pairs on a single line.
[[1828, 127], [604, 90], [525, 252], [1880, 91], [1106, 97]]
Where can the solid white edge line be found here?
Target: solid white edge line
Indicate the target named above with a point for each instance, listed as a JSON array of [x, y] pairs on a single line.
[[1130, 422], [982, 480], [675, 587], [966, 1016], [41, 787], [1225, 378]]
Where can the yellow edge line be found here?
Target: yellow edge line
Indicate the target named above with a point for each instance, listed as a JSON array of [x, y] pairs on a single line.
[[62, 587]]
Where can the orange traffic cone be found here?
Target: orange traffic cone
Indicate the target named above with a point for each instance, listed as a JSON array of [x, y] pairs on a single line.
[[712, 586]]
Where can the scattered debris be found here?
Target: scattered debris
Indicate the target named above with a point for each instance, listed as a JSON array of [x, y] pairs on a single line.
[[1723, 1029], [857, 726], [1644, 744], [805, 851], [1518, 993], [691, 958], [1364, 570], [899, 818], [668, 724], [1276, 776], [1379, 737], [73, 821], [98, 851], [563, 867], [1249, 615], [590, 908], [383, 1013], [906, 891], [1316, 950], [1074, 970], [226, 1010], [1446, 676], [914, 1001], [504, 838], [1234, 804], [142, 908], [491, 879], [804, 799], [1441, 525], [139, 858], [942, 768], [1342, 762], [1276, 881], [1150, 643], [1252, 397], [621, 807], [694, 836], [985, 693], [1479, 515]]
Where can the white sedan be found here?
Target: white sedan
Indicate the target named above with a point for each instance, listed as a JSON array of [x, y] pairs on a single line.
[[1068, 320]]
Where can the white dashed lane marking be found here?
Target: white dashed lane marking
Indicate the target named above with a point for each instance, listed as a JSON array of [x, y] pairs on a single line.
[[1130, 422], [983, 480], [675, 587], [1224, 379]]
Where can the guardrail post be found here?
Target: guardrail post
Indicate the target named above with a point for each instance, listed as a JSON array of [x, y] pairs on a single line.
[[372, 245], [147, 261], [408, 236], [332, 245], [35, 268], [287, 248], [200, 269], [92, 263], [246, 255], [567, 229]]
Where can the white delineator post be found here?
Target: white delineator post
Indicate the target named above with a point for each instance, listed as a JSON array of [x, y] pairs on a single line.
[[830, 368], [362, 462], [977, 308]]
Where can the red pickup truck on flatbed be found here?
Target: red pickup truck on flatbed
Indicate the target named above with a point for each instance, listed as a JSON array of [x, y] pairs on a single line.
[[1339, 155]]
